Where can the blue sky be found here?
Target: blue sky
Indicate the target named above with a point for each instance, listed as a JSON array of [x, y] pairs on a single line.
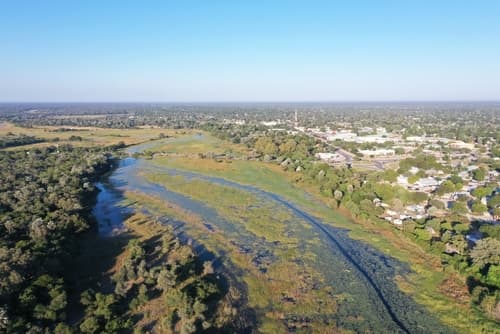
[[249, 50]]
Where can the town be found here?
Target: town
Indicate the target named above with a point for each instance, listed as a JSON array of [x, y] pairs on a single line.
[[450, 173], [456, 179]]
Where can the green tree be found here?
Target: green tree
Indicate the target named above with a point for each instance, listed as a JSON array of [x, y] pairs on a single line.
[[423, 234], [478, 207], [142, 296], [445, 188], [494, 201], [455, 179], [288, 147], [62, 328], [121, 288], [90, 325], [390, 175], [459, 208], [459, 242], [493, 276], [460, 227], [384, 191], [104, 305], [479, 174], [51, 308], [492, 231], [266, 145], [486, 251], [166, 279], [484, 191], [435, 224]]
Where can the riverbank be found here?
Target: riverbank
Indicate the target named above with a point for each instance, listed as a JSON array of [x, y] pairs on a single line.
[[244, 239], [426, 282]]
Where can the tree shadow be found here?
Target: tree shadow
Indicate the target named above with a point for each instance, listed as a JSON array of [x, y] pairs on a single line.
[[92, 267]]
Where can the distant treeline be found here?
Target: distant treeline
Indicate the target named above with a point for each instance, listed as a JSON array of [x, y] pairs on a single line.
[[12, 140], [114, 121], [471, 122]]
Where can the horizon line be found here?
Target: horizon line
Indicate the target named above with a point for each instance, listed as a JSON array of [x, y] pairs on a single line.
[[255, 102]]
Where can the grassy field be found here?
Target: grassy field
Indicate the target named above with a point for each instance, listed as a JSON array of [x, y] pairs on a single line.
[[201, 142], [90, 135]]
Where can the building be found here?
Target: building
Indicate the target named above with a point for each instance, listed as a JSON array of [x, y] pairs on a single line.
[[270, 123], [426, 184], [378, 152], [330, 157], [379, 139], [344, 135], [461, 145]]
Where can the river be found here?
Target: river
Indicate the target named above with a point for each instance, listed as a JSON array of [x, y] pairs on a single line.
[[350, 266]]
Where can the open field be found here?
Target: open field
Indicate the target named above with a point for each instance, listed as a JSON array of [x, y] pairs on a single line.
[[201, 142], [90, 136]]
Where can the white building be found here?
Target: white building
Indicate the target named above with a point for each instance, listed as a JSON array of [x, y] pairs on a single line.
[[378, 152], [461, 145], [270, 123], [416, 139], [372, 139], [426, 184], [345, 135], [330, 157]]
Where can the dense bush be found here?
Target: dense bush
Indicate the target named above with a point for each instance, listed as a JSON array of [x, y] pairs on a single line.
[[12, 140], [44, 197]]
